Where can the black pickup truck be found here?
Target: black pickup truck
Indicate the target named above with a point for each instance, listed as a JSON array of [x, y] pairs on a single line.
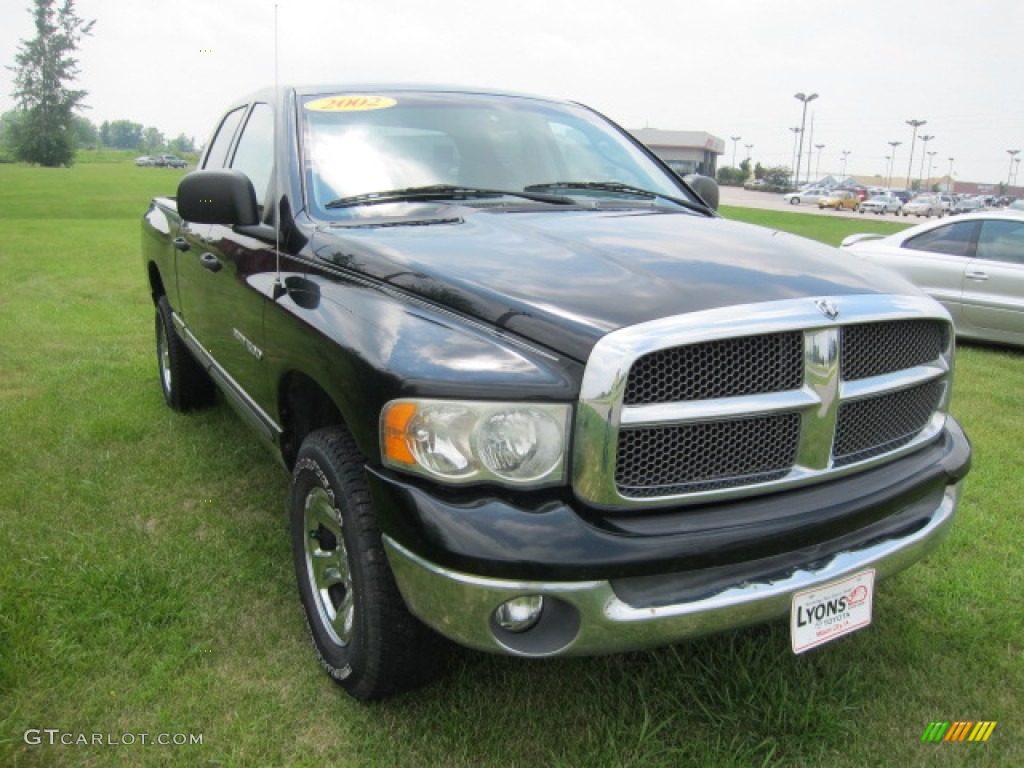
[[537, 397]]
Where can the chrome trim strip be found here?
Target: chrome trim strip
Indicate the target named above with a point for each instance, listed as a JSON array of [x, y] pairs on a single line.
[[210, 363], [601, 414], [662, 414], [891, 382], [460, 605]]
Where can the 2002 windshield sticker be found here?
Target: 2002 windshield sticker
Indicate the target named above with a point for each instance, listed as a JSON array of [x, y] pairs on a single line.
[[355, 102]]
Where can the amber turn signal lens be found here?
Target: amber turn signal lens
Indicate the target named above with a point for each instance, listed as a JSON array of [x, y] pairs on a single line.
[[396, 422]]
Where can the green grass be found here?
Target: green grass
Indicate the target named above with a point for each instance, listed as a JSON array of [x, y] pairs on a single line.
[[146, 584]]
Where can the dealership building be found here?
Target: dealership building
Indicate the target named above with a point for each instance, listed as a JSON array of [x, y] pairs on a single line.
[[684, 151]]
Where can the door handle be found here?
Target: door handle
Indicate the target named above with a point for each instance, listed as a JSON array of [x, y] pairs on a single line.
[[210, 262], [981, 277], [181, 244]]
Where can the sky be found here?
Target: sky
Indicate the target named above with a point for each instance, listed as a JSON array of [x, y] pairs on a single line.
[[728, 67]]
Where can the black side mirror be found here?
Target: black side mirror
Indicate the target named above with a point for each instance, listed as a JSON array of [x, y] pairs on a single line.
[[218, 197], [704, 186]]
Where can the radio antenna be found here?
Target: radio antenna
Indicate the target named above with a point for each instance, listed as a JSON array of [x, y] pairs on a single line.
[[278, 282]]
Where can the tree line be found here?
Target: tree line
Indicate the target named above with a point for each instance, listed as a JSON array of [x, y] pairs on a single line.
[[46, 128]]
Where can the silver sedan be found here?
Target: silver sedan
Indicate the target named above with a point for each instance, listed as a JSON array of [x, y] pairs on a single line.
[[882, 204], [973, 265]]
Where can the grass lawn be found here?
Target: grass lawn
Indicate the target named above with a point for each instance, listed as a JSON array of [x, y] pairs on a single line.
[[146, 584]]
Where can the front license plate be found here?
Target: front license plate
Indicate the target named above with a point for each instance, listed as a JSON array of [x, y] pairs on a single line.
[[831, 610]]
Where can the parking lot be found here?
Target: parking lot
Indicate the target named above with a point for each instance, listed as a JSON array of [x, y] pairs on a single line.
[[772, 201]]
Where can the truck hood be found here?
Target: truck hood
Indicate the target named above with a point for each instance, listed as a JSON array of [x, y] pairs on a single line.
[[565, 278]]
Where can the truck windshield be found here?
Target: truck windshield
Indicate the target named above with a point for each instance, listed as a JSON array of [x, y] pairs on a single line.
[[363, 148]]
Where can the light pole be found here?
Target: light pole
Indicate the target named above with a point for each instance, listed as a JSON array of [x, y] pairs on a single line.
[[1016, 169], [817, 168], [1012, 153], [910, 164], [924, 151], [931, 163], [796, 132], [803, 122], [950, 174], [892, 163], [734, 140], [846, 153], [749, 147]]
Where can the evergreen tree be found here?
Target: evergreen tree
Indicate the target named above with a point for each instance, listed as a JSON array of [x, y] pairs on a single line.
[[44, 66]]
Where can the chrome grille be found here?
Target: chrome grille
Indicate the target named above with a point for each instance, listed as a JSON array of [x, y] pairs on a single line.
[[704, 456], [721, 368], [876, 425], [874, 349], [729, 402]]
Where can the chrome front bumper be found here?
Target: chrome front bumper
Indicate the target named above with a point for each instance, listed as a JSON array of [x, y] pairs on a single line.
[[588, 617]]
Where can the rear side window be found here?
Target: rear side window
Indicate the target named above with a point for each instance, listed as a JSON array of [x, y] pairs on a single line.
[[255, 153], [218, 153], [953, 239], [1002, 241]]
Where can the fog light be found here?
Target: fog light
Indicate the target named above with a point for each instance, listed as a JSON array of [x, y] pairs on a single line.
[[520, 613]]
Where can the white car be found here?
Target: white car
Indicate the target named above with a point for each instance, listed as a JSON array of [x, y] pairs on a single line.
[[882, 204], [810, 195], [972, 264], [924, 205]]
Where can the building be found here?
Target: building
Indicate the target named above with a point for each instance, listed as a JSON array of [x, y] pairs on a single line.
[[684, 151]]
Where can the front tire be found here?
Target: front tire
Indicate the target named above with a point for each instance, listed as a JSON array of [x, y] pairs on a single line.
[[186, 386], [363, 635]]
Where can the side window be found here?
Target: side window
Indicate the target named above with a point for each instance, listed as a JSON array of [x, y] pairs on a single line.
[[1002, 241], [254, 155], [222, 141], [953, 239]]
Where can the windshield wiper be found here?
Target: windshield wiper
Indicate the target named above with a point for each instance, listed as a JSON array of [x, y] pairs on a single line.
[[442, 192], [617, 187]]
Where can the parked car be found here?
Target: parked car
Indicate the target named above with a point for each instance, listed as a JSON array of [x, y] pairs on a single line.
[[172, 161], [881, 204], [947, 202], [924, 205], [903, 195], [841, 198], [973, 265], [809, 195], [145, 161], [967, 205]]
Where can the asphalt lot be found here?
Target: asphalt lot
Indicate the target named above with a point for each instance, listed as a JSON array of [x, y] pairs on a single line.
[[745, 198]]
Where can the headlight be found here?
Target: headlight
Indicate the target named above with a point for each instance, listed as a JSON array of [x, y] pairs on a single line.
[[461, 442]]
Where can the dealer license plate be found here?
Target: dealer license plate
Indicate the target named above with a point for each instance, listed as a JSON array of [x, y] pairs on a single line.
[[831, 610]]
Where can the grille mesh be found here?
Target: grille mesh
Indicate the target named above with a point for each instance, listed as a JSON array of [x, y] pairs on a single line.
[[701, 456], [876, 425], [874, 349], [724, 368]]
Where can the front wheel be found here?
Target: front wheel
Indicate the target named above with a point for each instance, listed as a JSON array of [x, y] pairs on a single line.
[[364, 636]]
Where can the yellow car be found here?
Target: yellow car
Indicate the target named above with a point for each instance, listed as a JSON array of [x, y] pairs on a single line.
[[840, 199]]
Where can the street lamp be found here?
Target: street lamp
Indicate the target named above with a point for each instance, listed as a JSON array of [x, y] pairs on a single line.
[[1012, 153], [910, 164], [796, 132], [749, 147], [846, 153], [950, 174], [892, 163], [803, 122], [1016, 169], [817, 168], [734, 140], [924, 151], [931, 163]]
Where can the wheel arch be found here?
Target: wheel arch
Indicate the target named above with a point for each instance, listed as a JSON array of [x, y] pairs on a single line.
[[304, 407]]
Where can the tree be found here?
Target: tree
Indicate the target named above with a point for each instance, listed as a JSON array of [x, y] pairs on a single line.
[[121, 134], [43, 68], [182, 144], [152, 140]]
